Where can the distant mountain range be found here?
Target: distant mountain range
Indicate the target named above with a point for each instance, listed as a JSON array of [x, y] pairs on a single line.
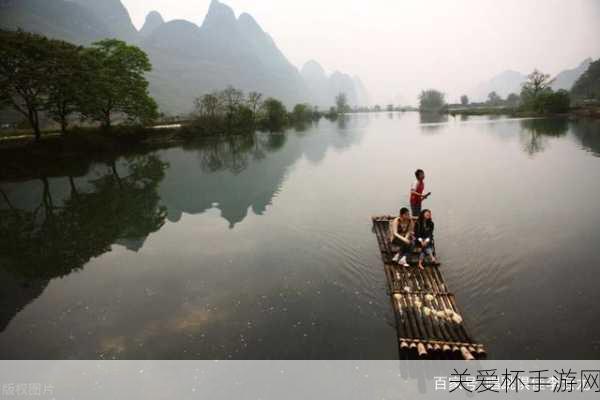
[[567, 78], [188, 59], [324, 87], [511, 81]]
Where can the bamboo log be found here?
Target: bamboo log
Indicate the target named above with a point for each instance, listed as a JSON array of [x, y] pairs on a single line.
[[436, 271], [441, 334], [418, 328], [426, 321], [420, 323], [401, 313], [444, 324], [429, 324], [382, 243], [389, 273], [440, 300], [463, 326], [456, 328], [433, 281], [418, 281], [436, 326], [421, 350], [412, 328], [466, 354]]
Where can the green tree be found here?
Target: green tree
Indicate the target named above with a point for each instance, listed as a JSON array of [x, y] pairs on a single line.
[[302, 112], [588, 84], [115, 83], [537, 82], [25, 65], [464, 100], [432, 100], [209, 105], [341, 102], [65, 83], [209, 114], [494, 99], [254, 102], [513, 100], [538, 96], [553, 102], [275, 114], [232, 99]]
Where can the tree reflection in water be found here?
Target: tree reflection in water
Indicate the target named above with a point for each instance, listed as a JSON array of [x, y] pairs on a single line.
[[59, 236], [535, 133], [431, 122], [587, 131]]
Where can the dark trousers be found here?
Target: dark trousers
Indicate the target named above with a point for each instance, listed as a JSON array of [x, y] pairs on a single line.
[[404, 249], [415, 210]]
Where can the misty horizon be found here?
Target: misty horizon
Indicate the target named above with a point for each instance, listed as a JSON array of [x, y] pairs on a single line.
[[474, 42]]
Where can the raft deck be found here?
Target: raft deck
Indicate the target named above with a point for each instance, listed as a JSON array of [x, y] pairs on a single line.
[[428, 320]]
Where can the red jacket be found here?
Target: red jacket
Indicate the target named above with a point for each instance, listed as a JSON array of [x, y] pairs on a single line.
[[419, 187]]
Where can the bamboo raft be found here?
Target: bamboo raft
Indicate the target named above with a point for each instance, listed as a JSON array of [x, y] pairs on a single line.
[[428, 321]]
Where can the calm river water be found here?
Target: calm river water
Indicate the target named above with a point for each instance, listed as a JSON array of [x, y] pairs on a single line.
[[262, 247]]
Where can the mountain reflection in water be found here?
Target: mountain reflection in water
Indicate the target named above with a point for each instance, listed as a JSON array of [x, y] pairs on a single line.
[[260, 246]]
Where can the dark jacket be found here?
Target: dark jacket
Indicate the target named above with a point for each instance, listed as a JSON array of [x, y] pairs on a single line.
[[424, 229]]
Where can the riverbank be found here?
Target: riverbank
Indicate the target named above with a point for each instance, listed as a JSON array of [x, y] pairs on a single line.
[[515, 112], [22, 156]]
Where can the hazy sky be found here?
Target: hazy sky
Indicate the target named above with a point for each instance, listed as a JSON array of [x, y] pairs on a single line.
[[399, 47]]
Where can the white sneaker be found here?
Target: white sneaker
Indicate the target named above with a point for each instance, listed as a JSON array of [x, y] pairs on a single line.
[[396, 257], [403, 262]]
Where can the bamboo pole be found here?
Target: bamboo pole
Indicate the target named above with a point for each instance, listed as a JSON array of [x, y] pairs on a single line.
[[456, 327], [463, 326], [402, 314], [417, 309], [411, 323], [466, 354], [421, 350]]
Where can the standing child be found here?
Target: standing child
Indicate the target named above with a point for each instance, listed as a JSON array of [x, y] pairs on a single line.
[[416, 193]]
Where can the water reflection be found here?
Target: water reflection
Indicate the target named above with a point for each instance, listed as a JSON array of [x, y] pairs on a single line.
[[342, 122], [587, 131], [432, 122], [60, 234], [243, 173], [54, 226], [290, 283], [536, 132]]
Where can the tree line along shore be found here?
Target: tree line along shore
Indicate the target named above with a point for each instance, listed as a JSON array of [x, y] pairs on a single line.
[[537, 98], [98, 97], [103, 87]]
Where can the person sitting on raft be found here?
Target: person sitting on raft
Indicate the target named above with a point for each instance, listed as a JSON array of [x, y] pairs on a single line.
[[424, 237], [402, 236]]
